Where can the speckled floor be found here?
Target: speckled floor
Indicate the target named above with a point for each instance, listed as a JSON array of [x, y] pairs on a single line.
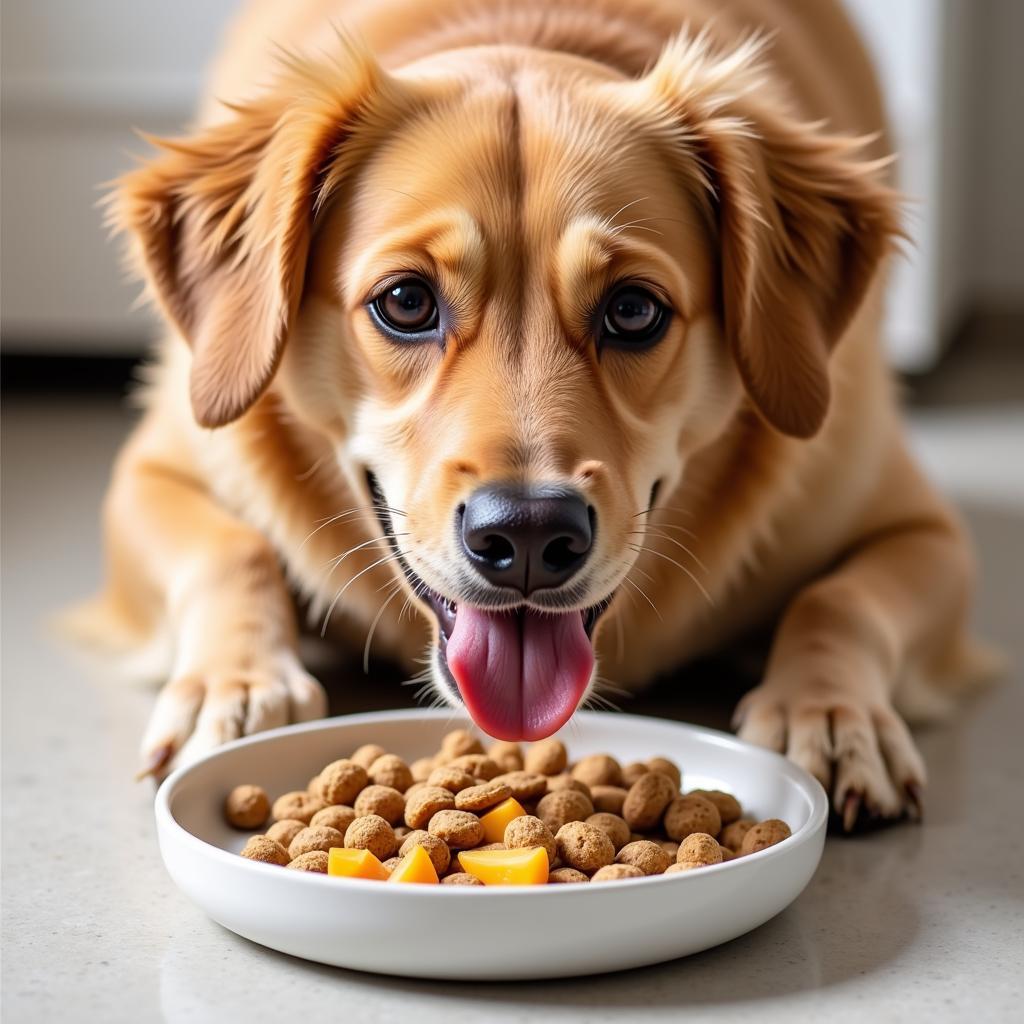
[[916, 923]]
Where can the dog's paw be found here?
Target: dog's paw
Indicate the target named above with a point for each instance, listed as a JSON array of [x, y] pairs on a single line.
[[857, 747], [199, 710]]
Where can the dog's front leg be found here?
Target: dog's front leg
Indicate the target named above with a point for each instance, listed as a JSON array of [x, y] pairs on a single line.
[[217, 584], [895, 604]]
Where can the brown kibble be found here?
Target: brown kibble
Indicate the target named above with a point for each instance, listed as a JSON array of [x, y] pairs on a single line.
[[479, 798], [646, 801], [265, 850], [558, 809], [459, 829], [315, 861], [615, 872], [478, 765], [315, 837], [285, 831], [598, 770], [566, 876], [461, 878], [632, 771], [313, 786], [372, 833], [389, 770], [729, 809], [337, 816], [490, 846], [367, 754], [608, 799], [699, 849], [436, 847], [689, 814], [732, 835], [613, 826], [678, 868], [526, 832], [421, 768], [401, 831], [524, 785], [457, 743], [727, 854], [548, 757], [666, 767], [764, 834], [564, 781], [382, 800], [391, 863], [299, 806], [645, 855], [341, 781], [452, 779], [422, 805], [247, 807], [506, 755], [584, 847]]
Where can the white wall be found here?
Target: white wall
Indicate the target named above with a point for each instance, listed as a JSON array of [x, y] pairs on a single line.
[[78, 74]]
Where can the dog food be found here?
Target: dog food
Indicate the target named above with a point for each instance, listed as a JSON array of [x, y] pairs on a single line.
[[470, 816]]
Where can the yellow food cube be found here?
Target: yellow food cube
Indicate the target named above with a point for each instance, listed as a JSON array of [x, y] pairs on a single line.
[[507, 867], [416, 866], [495, 820], [355, 864]]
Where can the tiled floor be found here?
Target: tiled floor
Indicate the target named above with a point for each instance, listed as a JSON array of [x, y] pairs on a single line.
[[917, 923]]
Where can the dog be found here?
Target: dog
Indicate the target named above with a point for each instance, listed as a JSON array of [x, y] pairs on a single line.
[[558, 323]]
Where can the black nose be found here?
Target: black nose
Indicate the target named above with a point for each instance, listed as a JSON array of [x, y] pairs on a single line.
[[526, 537]]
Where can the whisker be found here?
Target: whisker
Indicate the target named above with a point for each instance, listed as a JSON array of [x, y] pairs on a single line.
[[337, 597], [639, 590], [373, 626], [335, 562], [696, 582], [677, 543]]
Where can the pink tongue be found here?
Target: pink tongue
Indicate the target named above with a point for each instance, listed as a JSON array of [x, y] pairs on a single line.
[[520, 675]]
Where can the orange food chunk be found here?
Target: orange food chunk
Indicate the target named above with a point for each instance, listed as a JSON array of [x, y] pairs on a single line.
[[416, 866], [507, 867], [495, 820], [344, 863]]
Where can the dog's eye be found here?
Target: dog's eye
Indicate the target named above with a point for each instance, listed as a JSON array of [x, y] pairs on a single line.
[[633, 316], [408, 307]]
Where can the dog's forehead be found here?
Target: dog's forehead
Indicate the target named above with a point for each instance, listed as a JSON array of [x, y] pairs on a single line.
[[517, 143]]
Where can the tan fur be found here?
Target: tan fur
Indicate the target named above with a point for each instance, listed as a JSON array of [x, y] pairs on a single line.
[[525, 157]]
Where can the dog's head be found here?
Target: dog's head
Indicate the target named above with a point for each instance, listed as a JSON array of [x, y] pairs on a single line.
[[518, 291]]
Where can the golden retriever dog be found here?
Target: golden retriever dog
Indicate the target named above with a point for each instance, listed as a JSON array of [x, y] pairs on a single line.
[[559, 322]]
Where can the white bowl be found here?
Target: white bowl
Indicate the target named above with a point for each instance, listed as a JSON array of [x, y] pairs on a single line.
[[498, 932]]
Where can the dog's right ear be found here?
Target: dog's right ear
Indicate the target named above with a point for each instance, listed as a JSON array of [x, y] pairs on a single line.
[[220, 223]]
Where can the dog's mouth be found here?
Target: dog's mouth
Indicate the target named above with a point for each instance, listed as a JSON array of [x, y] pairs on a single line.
[[520, 672]]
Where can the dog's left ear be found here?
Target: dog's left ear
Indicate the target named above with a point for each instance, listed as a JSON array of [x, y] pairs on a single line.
[[804, 221], [220, 223]]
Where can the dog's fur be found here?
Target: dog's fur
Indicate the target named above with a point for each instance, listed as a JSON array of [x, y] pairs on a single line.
[[524, 155]]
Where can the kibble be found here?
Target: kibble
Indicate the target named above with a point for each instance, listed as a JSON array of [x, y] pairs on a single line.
[[689, 814], [596, 819], [646, 801], [372, 833], [645, 856], [584, 847], [764, 834], [299, 806], [548, 757], [247, 807], [266, 850]]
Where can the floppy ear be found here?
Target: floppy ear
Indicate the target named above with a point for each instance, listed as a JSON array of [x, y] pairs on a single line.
[[220, 224], [804, 221]]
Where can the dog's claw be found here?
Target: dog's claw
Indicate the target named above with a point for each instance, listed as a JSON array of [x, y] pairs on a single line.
[[915, 808], [157, 760], [851, 810]]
